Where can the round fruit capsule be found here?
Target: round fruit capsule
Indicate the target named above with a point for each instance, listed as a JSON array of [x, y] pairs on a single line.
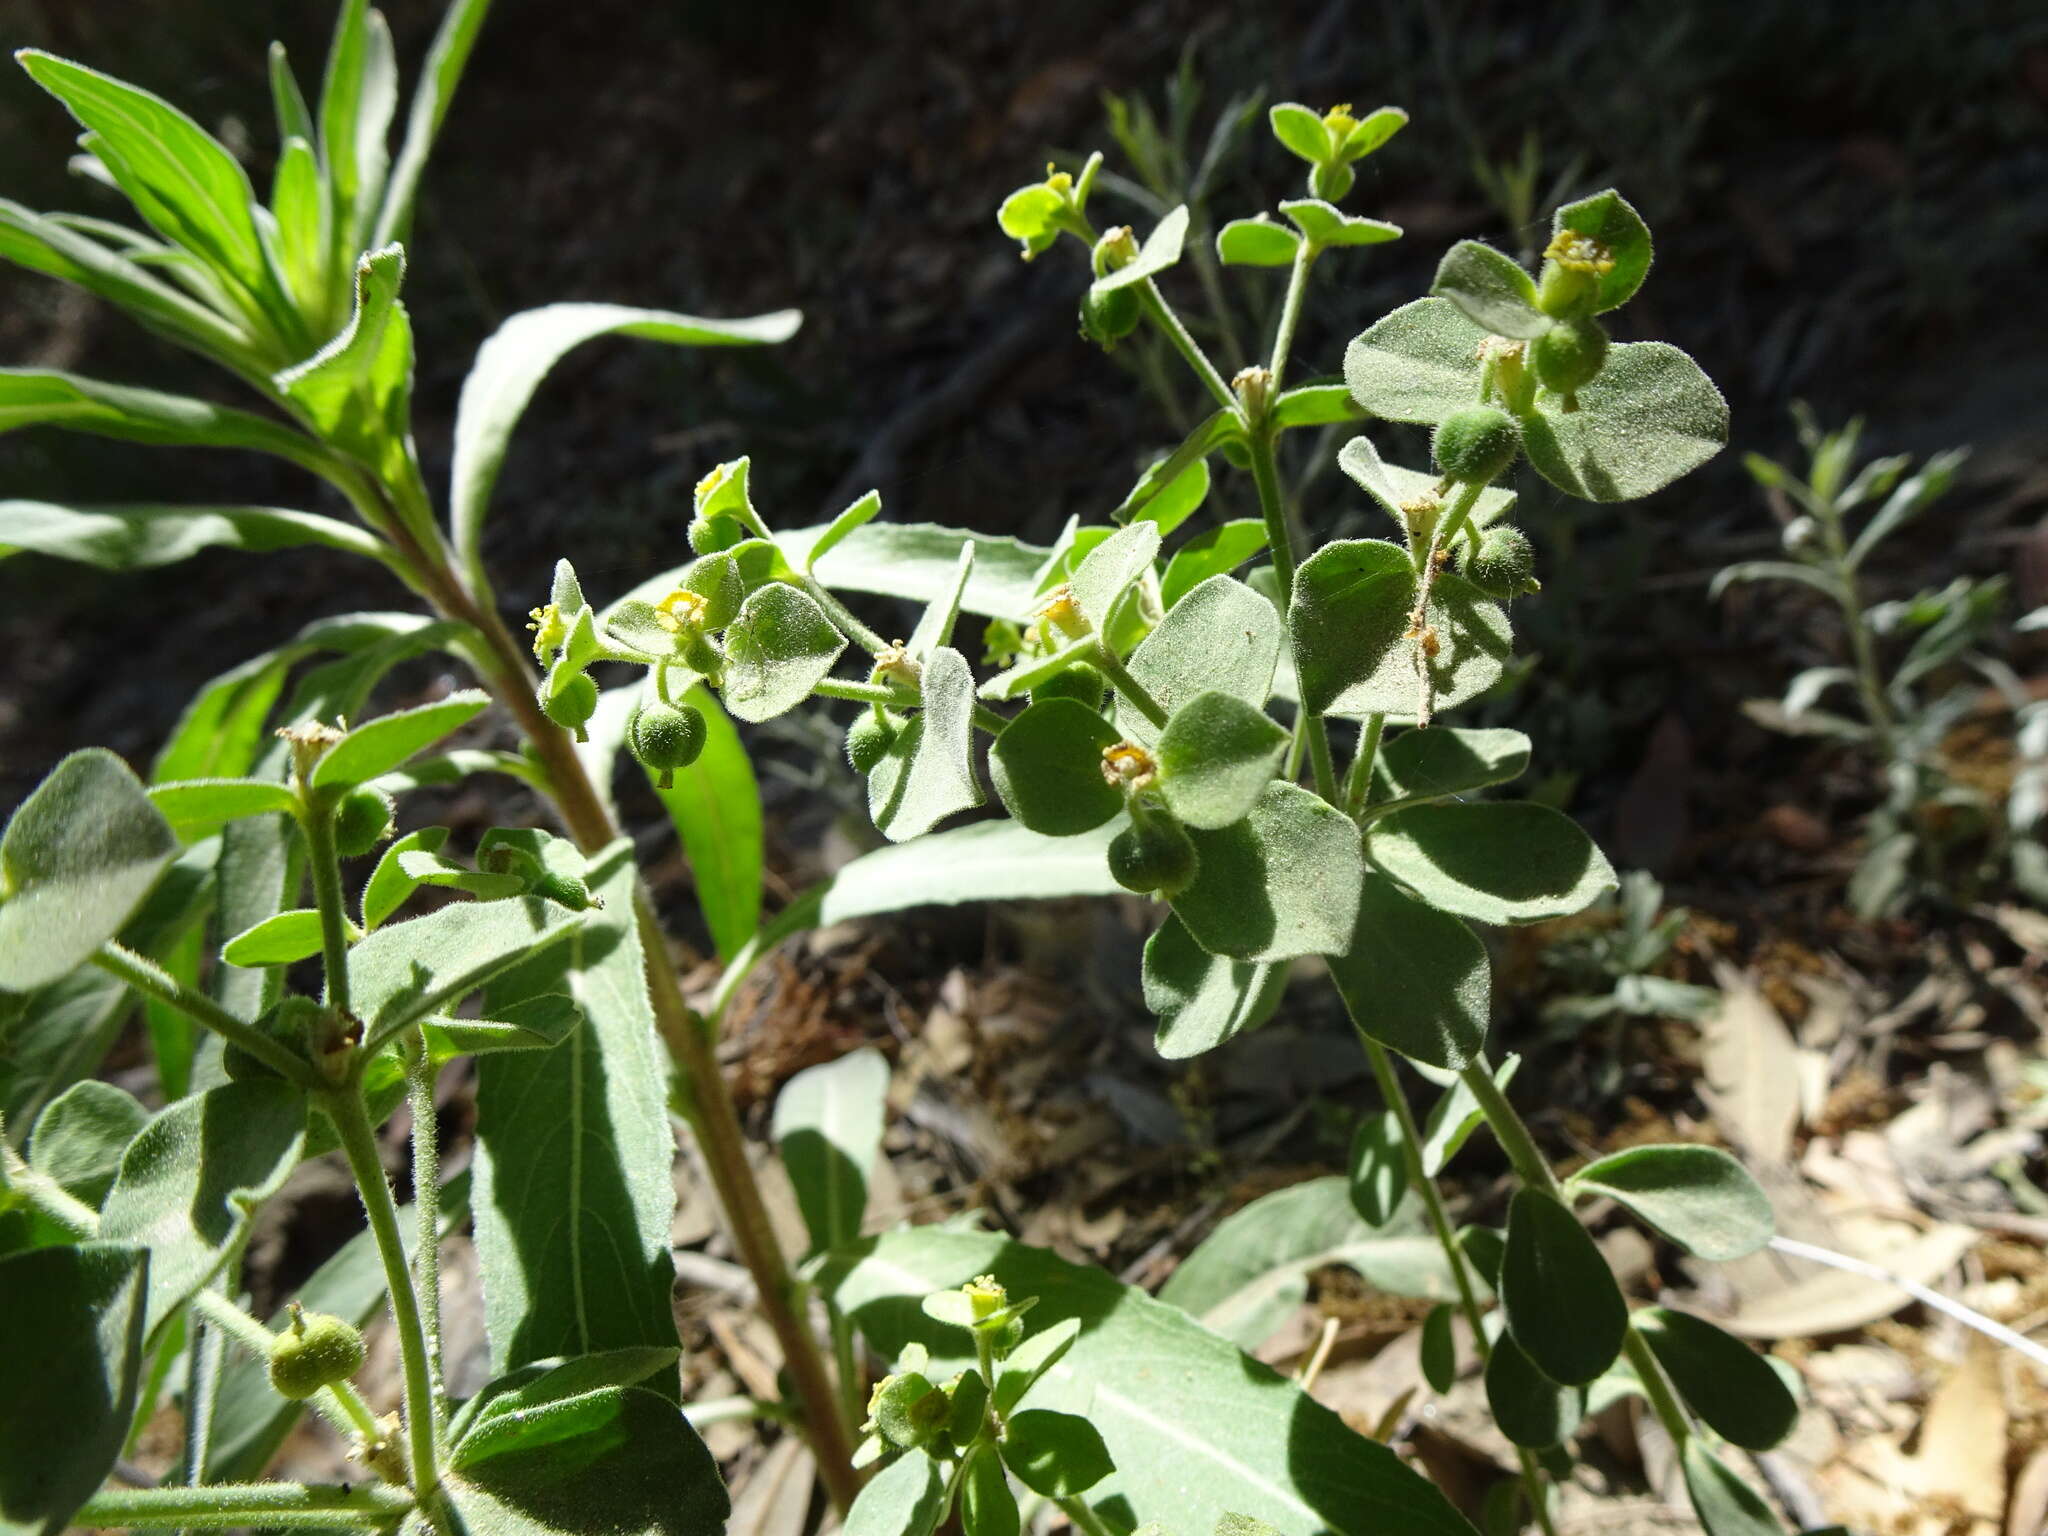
[[1504, 564], [361, 821], [317, 1350], [1107, 318], [665, 737], [572, 708], [868, 740], [1569, 356], [1475, 444], [1152, 854]]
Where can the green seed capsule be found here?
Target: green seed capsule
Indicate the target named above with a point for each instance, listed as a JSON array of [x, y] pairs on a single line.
[[572, 708], [664, 737], [1152, 854], [1504, 565], [318, 1350], [868, 741], [1475, 444], [708, 535], [1107, 318], [361, 821], [1569, 356]]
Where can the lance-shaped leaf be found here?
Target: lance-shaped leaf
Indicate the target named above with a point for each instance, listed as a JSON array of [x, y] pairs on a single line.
[[1354, 652], [380, 745], [862, 511], [1110, 570], [71, 1339], [510, 366], [1256, 242], [403, 972], [1202, 999], [358, 388], [715, 805], [828, 1126], [136, 538], [43, 397], [298, 201], [78, 857], [1327, 225], [190, 1183], [1216, 756], [280, 939], [1455, 1116], [1213, 433], [1314, 405], [920, 561], [935, 624], [1232, 1437], [1724, 1503], [573, 1196], [439, 75], [1174, 500], [1419, 363], [1491, 289], [778, 649], [1528, 1407], [1221, 637], [358, 97], [1440, 761], [1393, 486], [1161, 250], [1414, 978], [928, 772], [1047, 767], [1699, 1197], [1493, 862], [1728, 1384], [1214, 552], [1608, 218], [1651, 416], [198, 808], [1281, 883], [1558, 1294], [1439, 1347]]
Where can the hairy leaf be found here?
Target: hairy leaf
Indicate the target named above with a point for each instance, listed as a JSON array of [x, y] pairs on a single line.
[[1414, 978], [1651, 416], [1047, 767], [1699, 1197], [1499, 862], [1281, 883], [1221, 637], [1202, 999], [1559, 1296], [828, 1127], [778, 649], [1491, 289]]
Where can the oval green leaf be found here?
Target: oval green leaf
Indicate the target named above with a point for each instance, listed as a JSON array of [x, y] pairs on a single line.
[[1497, 862], [1728, 1384], [1216, 756], [1559, 1296], [1699, 1197], [1047, 767], [1281, 883]]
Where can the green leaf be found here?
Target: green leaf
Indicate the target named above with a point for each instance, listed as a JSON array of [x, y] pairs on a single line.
[[862, 511], [78, 858], [1230, 1436], [1326, 225], [1379, 1171], [71, 1339], [928, 772], [136, 538], [38, 397], [190, 1184], [1724, 1381], [1213, 552], [1111, 569], [778, 649], [1256, 242], [510, 366], [620, 1459], [1281, 883], [282, 939], [920, 562], [1247, 1277], [1214, 432], [1047, 767], [357, 390], [1202, 999], [1373, 130], [424, 868], [1216, 756], [573, 1194], [1413, 978], [1033, 671], [1176, 500], [403, 972], [1302, 131], [987, 1507], [1650, 417], [935, 625], [1353, 654], [1060, 1455], [715, 804], [907, 1498], [79, 1139], [1161, 250], [1559, 1296], [1608, 218], [195, 192], [380, 745], [553, 1381], [538, 1024], [298, 201], [1021, 1369], [1417, 364], [1529, 1408], [1699, 1197], [1491, 289], [221, 731], [1221, 637], [439, 75], [358, 96], [1392, 486], [1313, 405], [1439, 761], [389, 884], [1439, 1347], [828, 1126], [1501, 862], [1456, 1116], [198, 808], [1725, 1504]]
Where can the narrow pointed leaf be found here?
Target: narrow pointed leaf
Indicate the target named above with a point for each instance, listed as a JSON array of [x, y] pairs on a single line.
[[1725, 1504], [928, 772], [38, 397], [828, 1127], [1161, 250], [380, 745], [133, 538]]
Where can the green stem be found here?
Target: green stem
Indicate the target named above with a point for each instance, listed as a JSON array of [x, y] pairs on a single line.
[[1128, 687], [841, 615], [1280, 543], [219, 1506], [1290, 312], [426, 1185], [1511, 1131], [1162, 315], [359, 1144], [890, 697], [721, 1410], [846, 1367], [1657, 1387], [316, 819], [1862, 646], [47, 1195], [147, 977], [1358, 782], [1084, 1518]]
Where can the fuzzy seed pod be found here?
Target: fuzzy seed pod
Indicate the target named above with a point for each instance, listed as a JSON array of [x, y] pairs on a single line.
[[708, 535], [1569, 356], [361, 821], [318, 1350], [1107, 318], [868, 741], [1475, 444], [572, 708], [1154, 853], [1504, 565], [664, 738]]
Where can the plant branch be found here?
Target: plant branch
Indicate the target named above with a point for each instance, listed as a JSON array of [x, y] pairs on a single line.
[[1280, 542], [1162, 315], [316, 819], [220, 1506], [147, 977], [47, 1195], [1127, 686], [426, 1185], [1358, 782]]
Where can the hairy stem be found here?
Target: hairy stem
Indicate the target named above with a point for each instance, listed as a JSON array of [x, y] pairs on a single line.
[[219, 1506], [147, 977], [426, 1196], [1280, 542], [1128, 687], [1161, 314], [317, 821], [1290, 312], [1358, 782], [47, 1195]]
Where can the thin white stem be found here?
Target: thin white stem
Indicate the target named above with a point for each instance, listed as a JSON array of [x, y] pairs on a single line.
[[1967, 1316]]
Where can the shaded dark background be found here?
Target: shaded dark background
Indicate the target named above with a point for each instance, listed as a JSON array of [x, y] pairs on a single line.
[[1848, 202]]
